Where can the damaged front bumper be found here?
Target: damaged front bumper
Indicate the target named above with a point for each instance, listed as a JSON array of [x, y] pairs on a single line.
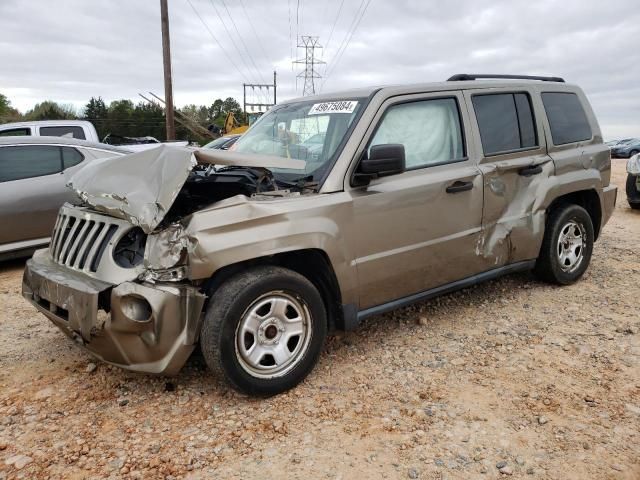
[[143, 327]]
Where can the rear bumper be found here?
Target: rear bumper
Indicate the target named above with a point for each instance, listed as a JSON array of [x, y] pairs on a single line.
[[137, 326], [609, 196]]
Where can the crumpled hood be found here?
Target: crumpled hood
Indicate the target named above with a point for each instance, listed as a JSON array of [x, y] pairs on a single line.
[[142, 186]]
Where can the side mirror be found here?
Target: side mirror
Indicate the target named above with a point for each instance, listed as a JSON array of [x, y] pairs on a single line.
[[383, 160]]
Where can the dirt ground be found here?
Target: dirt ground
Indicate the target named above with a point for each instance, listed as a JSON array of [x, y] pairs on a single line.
[[509, 378]]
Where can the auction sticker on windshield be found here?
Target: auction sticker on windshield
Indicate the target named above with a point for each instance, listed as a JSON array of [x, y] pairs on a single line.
[[343, 106]]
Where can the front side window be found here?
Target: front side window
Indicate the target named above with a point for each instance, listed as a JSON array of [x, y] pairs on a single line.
[[16, 132], [309, 131], [430, 130], [567, 119], [63, 131], [505, 121], [28, 161]]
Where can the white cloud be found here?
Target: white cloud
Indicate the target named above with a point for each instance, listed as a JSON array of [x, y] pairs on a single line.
[[72, 50]]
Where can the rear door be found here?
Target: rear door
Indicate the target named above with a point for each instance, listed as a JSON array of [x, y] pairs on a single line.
[[514, 163], [417, 230], [32, 189]]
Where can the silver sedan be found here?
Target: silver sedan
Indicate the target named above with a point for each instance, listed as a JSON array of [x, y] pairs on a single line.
[[34, 172]]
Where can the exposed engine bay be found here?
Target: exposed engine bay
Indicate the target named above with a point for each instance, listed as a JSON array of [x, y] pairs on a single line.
[[207, 185]]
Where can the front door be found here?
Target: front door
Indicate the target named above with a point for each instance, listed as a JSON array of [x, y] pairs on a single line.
[[419, 229]]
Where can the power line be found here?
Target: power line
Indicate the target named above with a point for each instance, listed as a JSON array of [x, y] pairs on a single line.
[[217, 41], [290, 39], [242, 40], [326, 45], [235, 45], [255, 32], [301, 2], [348, 38]]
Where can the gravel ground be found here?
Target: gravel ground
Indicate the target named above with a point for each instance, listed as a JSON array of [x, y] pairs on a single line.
[[509, 378]]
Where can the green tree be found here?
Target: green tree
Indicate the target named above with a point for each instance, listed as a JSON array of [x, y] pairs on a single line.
[[7, 112], [95, 111], [5, 105], [216, 109], [231, 105], [50, 110]]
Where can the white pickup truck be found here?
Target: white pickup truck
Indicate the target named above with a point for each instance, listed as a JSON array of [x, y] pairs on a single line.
[[80, 129]]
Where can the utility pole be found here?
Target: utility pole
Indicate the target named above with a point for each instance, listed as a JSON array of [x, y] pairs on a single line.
[[166, 60], [260, 86], [310, 44]]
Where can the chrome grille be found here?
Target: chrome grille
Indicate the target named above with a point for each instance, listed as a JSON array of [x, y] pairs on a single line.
[[80, 239]]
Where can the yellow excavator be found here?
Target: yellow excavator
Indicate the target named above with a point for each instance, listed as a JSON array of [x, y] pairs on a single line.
[[233, 127]]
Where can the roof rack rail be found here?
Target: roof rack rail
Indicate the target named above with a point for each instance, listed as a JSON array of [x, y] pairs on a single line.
[[473, 76]]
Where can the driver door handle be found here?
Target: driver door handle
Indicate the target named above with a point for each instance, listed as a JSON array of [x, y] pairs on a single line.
[[459, 186], [530, 171]]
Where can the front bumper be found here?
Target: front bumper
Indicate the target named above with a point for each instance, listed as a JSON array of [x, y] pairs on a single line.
[[138, 326]]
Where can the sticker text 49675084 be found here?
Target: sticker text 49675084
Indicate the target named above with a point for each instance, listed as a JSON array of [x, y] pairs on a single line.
[[342, 106]]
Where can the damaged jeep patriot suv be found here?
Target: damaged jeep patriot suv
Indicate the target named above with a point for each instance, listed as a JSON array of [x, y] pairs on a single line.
[[330, 209]]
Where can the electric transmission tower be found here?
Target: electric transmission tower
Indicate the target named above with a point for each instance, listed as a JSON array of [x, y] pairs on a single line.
[[310, 44]]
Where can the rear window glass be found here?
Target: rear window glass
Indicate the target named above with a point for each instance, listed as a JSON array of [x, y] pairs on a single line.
[[71, 157], [16, 132], [505, 121], [63, 131], [567, 119], [28, 161]]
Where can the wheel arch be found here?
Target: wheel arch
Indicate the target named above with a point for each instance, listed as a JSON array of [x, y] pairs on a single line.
[[587, 199], [312, 263]]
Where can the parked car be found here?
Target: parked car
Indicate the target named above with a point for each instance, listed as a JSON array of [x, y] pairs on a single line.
[[613, 143], [626, 149], [33, 174], [223, 143], [633, 182], [417, 191], [137, 144], [80, 129]]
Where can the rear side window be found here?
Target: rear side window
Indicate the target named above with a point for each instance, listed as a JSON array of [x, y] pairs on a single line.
[[566, 116], [430, 130], [16, 132], [505, 121], [71, 157], [63, 131], [28, 161]]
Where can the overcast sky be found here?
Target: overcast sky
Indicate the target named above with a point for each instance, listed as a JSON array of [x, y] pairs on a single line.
[[70, 50]]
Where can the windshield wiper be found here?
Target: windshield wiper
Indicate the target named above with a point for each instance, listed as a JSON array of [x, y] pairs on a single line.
[[301, 183]]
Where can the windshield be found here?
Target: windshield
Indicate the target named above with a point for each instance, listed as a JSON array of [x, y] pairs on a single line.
[[309, 131]]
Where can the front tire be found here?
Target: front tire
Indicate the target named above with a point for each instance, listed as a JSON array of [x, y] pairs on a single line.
[[567, 245], [264, 330]]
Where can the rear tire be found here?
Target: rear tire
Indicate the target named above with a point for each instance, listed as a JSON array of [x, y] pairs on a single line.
[[264, 330], [633, 195], [633, 152], [567, 246]]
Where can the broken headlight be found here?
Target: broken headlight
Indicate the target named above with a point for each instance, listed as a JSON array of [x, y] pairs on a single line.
[[129, 251], [175, 274]]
